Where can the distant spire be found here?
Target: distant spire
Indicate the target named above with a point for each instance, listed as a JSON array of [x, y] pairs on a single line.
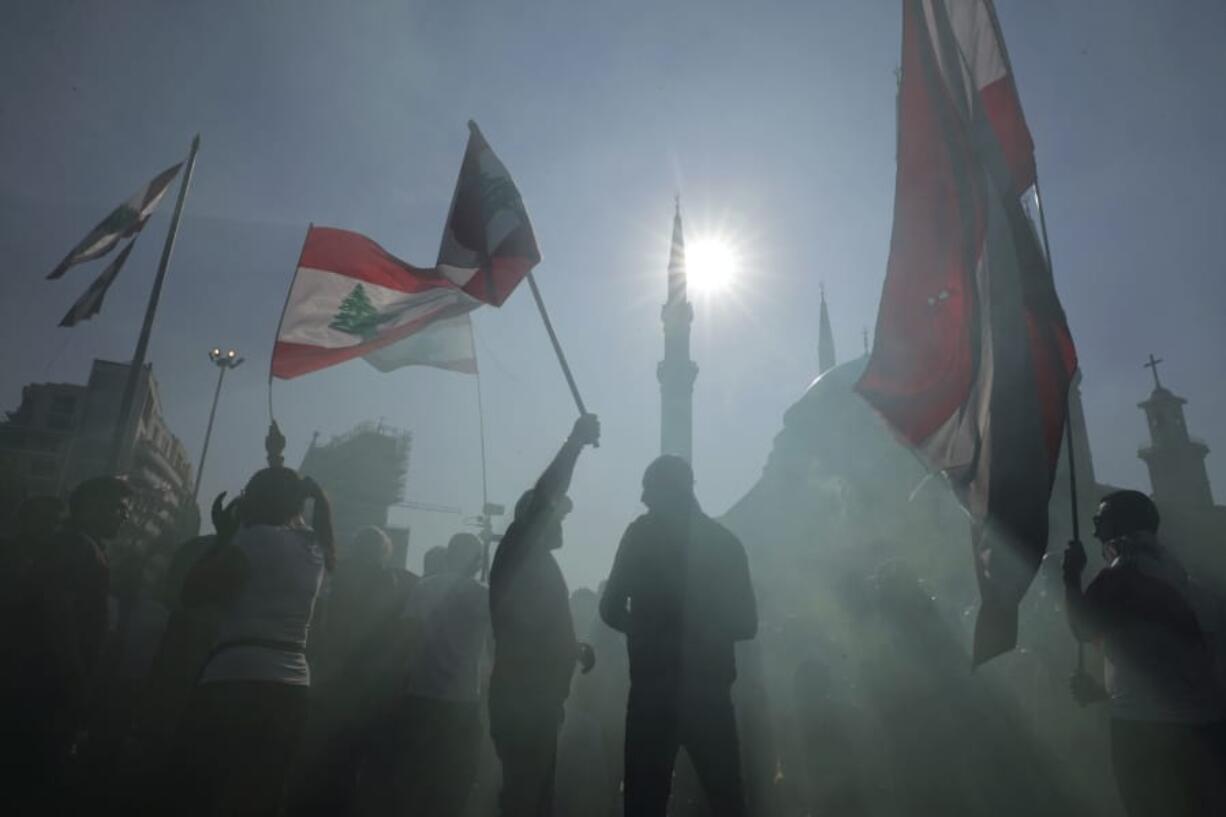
[[676, 372], [676, 257], [864, 334], [825, 338], [1153, 367]]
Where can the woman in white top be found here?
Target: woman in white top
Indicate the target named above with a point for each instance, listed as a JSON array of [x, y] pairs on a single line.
[[242, 728]]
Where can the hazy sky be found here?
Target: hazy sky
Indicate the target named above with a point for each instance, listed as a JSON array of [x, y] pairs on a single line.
[[775, 121]]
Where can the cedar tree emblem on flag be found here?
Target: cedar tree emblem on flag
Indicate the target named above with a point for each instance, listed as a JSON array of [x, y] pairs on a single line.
[[358, 316]]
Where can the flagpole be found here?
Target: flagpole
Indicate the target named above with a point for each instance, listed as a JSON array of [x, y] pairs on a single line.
[[557, 347], [1068, 418], [142, 343], [487, 527], [274, 441]]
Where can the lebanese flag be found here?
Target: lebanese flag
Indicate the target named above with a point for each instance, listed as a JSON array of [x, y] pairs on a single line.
[[488, 244], [90, 302], [972, 358], [351, 298], [124, 221], [444, 344]]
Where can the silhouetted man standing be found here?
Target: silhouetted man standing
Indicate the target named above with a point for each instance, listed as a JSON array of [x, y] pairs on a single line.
[[1168, 745], [52, 693], [680, 591], [534, 638]]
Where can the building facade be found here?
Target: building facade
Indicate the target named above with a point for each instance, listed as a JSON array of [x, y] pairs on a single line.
[[62, 434], [363, 472]]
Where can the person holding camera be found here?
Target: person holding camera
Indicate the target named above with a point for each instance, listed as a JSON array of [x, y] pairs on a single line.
[[1168, 745]]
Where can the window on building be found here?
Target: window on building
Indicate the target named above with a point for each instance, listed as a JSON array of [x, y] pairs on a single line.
[[42, 467], [59, 422], [64, 404]]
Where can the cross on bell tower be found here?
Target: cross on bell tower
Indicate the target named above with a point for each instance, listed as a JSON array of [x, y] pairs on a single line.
[[1175, 460], [1152, 365]]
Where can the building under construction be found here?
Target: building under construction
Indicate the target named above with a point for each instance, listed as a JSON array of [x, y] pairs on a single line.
[[363, 471]]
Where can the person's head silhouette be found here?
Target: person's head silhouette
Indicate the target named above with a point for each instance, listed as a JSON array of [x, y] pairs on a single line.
[[371, 547], [668, 485], [273, 496], [464, 554], [1126, 521], [100, 506], [549, 526]]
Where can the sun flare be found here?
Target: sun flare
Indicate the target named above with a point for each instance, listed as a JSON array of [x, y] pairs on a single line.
[[711, 264]]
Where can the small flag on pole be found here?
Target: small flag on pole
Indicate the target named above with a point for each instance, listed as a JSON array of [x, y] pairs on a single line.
[[488, 244], [90, 303], [123, 222], [972, 356]]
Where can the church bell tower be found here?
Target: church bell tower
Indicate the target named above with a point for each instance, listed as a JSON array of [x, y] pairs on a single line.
[[1175, 460], [676, 371]]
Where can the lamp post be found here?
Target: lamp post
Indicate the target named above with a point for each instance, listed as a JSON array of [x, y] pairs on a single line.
[[225, 361]]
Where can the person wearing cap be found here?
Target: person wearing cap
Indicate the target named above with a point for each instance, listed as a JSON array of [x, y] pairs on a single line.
[[535, 649], [1167, 747]]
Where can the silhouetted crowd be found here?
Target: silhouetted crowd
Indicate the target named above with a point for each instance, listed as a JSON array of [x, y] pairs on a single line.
[[256, 672]]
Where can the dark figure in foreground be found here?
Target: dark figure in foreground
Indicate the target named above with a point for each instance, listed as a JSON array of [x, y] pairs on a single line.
[[438, 719], [680, 591], [241, 730], [1167, 741], [355, 659], [535, 649], [55, 659]]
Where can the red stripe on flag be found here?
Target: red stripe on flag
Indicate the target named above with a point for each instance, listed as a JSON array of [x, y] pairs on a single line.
[[290, 360], [356, 256], [495, 283], [923, 363], [1004, 112]]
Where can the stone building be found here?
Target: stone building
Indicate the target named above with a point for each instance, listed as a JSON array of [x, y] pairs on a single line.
[[62, 434]]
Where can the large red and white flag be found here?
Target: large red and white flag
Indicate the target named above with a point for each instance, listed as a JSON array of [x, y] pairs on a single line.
[[488, 245], [972, 358], [351, 298]]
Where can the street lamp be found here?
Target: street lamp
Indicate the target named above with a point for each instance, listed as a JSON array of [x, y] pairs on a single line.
[[225, 361]]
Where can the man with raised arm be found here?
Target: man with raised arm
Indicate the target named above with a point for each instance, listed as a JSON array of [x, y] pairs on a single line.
[[535, 649]]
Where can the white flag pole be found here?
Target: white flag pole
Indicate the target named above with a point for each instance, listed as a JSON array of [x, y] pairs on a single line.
[[274, 441], [557, 347]]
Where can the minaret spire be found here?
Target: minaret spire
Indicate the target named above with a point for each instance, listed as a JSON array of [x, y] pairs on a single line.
[[826, 358], [676, 258], [676, 371]]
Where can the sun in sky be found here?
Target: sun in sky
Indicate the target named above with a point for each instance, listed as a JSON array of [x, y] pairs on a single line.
[[711, 264]]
